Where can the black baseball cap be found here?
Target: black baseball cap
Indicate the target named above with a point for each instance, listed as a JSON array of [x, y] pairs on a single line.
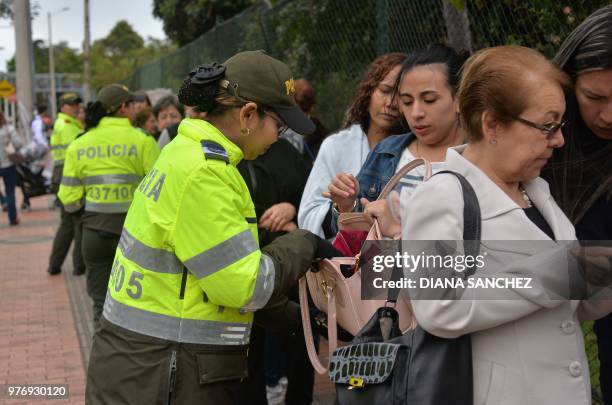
[[112, 96], [258, 77], [70, 98]]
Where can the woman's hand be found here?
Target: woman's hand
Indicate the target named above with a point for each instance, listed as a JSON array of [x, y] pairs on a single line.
[[389, 225], [595, 264], [343, 190], [277, 217], [289, 227]]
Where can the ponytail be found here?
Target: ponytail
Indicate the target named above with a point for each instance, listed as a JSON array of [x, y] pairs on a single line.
[[93, 114]]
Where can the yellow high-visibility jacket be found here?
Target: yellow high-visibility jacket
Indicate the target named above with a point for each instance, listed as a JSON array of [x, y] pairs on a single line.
[[104, 166], [188, 267], [65, 130]]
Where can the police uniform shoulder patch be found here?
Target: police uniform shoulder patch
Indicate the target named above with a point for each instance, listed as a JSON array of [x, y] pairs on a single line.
[[213, 150]]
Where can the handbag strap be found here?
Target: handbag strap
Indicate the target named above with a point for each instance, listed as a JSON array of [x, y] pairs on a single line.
[[393, 293], [472, 228], [402, 172], [471, 208], [472, 220], [396, 274], [332, 326]]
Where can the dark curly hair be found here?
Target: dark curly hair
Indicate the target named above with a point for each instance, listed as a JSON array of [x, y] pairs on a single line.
[[357, 112]]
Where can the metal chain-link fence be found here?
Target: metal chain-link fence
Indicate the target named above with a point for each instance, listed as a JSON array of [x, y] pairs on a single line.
[[330, 42]]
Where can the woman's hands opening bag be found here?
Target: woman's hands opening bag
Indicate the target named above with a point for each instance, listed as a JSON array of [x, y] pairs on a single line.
[[335, 287]]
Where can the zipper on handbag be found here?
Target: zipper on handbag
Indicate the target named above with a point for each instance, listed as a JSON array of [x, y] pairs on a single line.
[[171, 376]]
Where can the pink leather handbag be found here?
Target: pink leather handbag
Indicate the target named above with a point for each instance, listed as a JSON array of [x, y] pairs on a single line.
[[339, 296]]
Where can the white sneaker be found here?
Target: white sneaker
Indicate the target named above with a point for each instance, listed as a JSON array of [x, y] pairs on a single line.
[[276, 394]]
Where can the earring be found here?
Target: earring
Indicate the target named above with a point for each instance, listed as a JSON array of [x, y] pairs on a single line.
[[245, 132], [493, 141]]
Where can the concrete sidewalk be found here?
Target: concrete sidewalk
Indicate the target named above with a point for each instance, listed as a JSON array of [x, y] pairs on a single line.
[[45, 322]]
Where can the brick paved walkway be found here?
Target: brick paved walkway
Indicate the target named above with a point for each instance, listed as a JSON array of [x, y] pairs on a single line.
[[45, 322], [38, 339]]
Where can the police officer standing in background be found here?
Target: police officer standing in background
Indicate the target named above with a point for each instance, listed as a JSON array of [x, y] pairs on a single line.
[[189, 274], [101, 171], [65, 130]]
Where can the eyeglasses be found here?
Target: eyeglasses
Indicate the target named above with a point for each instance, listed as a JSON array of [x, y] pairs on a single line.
[[548, 129], [281, 127]]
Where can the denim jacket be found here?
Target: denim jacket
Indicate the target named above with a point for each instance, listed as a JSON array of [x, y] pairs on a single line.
[[378, 169]]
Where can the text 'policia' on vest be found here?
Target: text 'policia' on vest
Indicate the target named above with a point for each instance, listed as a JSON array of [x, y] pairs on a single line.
[[108, 151], [103, 167]]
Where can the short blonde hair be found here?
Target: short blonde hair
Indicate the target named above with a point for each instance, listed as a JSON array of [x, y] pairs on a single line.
[[497, 80]]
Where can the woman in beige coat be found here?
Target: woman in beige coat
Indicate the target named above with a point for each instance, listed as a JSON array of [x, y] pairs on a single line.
[[527, 345]]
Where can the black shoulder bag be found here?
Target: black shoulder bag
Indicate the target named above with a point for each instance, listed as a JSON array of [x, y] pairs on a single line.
[[382, 366]]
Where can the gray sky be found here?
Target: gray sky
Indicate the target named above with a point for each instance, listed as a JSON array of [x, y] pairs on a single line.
[[68, 25]]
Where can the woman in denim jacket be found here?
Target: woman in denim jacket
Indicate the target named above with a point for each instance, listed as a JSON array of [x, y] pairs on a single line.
[[425, 92]]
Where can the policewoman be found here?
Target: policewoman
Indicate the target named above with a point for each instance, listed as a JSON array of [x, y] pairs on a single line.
[[188, 273], [101, 171]]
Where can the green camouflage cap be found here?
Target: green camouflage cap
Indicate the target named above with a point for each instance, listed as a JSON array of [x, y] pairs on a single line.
[[70, 98], [112, 96], [258, 77]]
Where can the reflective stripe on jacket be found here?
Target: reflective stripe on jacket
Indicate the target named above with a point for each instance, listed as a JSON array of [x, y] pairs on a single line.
[[188, 266], [65, 130], [104, 166]]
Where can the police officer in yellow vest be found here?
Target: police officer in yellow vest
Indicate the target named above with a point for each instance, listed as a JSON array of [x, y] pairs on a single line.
[[101, 172], [65, 130], [189, 274]]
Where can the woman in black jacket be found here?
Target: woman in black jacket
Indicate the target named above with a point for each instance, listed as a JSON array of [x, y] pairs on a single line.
[[580, 174]]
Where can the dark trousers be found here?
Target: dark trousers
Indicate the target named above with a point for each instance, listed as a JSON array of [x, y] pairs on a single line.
[[603, 329], [98, 252], [9, 175], [128, 368], [275, 360], [300, 373], [69, 230], [252, 391]]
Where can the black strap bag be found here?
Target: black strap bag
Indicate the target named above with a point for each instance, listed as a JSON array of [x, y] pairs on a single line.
[[382, 366]]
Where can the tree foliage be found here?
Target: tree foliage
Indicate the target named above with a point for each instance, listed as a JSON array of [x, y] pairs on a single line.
[[113, 57], [185, 20], [67, 60], [122, 51], [542, 25], [122, 41], [6, 9]]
